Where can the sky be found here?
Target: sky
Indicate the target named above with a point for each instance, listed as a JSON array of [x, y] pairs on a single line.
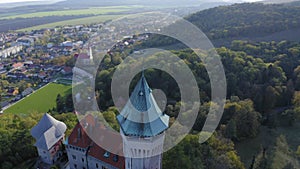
[[10, 1]]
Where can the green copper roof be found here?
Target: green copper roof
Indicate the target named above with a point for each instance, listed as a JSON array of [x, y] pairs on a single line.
[[141, 115]]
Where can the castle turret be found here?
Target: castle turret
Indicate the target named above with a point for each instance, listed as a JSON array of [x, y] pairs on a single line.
[[49, 134], [142, 126]]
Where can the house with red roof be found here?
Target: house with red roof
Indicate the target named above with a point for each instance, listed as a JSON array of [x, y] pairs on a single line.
[[18, 65], [84, 58], [67, 70]]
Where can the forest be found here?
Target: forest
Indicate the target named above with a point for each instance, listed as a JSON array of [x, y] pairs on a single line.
[[246, 20], [262, 91]]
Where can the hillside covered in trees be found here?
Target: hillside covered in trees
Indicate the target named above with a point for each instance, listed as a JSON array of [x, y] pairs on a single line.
[[262, 91], [247, 20]]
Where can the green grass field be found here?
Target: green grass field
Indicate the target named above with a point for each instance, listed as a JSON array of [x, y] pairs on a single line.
[[40, 101], [87, 11], [86, 20]]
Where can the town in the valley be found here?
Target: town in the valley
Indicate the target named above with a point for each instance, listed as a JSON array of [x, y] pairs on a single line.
[[31, 60]]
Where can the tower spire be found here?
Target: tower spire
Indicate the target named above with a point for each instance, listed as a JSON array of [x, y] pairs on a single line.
[[142, 127], [141, 116]]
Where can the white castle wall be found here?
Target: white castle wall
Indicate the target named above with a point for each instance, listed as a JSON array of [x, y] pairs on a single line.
[[77, 157], [143, 153]]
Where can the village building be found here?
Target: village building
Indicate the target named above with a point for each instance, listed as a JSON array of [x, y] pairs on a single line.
[[85, 59], [66, 70], [67, 44], [25, 41], [27, 91], [10, 51]]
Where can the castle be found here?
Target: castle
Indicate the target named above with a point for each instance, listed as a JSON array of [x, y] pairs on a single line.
[[139, 144]]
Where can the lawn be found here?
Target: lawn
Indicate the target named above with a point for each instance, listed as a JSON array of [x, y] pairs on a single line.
[[87, 11], [86, 20], [40, 101]]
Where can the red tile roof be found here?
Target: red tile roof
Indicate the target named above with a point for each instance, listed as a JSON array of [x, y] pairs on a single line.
[[82, 141], [105, 138], [17, 65], [97, 152]]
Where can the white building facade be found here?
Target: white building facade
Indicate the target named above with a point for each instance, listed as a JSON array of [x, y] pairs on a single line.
[[49, 134]]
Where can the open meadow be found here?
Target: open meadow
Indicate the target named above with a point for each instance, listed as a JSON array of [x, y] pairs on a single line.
[[72, 12], [85, 20], [35, 20], [41, 100]]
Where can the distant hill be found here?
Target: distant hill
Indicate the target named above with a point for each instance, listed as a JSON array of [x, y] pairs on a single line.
[[277, 1], [31, 7], [294, 3], [183, 8], [247, 21], [161, 3], [253, 20], [95, 3]]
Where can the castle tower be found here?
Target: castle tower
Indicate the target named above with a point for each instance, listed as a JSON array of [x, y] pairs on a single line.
[[142, 126], [49, 134]]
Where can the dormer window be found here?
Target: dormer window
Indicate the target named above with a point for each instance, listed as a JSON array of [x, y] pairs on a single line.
[[141, 93], [106, 154], [116, 158]]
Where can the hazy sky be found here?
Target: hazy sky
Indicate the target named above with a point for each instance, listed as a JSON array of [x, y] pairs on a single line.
[[10, 1], [7, 1]]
